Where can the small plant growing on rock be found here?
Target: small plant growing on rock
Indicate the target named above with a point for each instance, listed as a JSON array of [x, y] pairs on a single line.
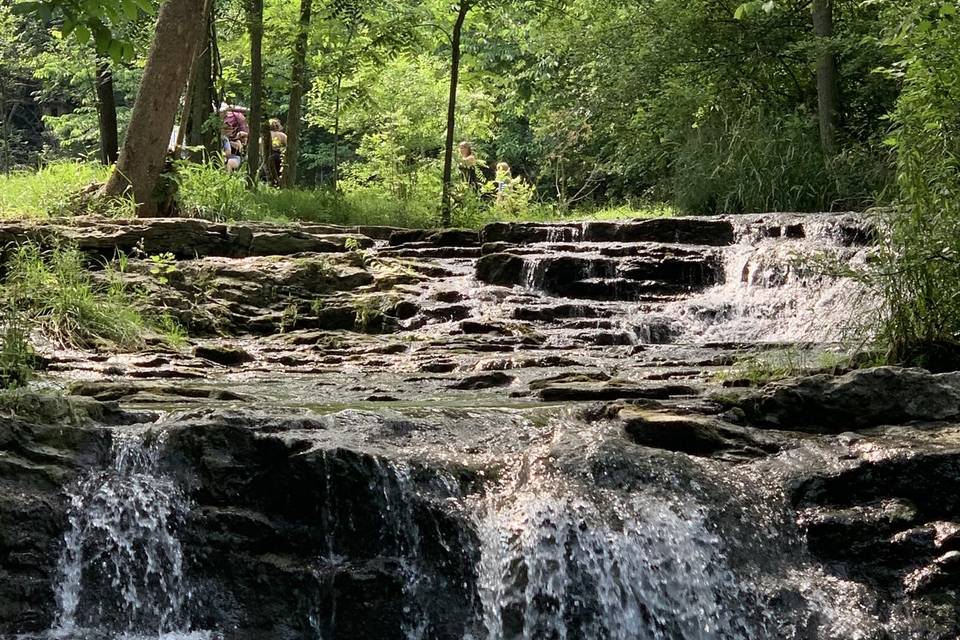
[[162, 266], [371, 310]]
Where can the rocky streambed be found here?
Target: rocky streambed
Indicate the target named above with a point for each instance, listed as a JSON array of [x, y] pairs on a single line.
[[522, 432]]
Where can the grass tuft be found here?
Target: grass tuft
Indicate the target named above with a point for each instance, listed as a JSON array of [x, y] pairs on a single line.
[[58, 297]]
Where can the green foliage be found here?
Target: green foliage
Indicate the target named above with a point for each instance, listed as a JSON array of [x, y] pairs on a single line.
[[760, 368], [162, 266], [17, 357], [46, 192], [93, 21], [918, 266], [757, 162], [56, 294]]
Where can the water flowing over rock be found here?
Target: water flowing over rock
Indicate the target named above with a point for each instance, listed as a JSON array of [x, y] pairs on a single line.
[[516, 434], [121, 567]]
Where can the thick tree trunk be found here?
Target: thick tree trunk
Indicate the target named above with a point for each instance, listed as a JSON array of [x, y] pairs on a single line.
[[297, 85], [445, 204], [106, 113], [255, 26], [826, 76], [178, 34]]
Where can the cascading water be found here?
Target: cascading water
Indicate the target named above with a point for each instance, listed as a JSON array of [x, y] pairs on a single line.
[[554, 568], [778, 290], [121, 567]]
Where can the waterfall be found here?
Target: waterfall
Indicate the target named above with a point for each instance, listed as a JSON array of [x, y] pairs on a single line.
[[121, 567], [778, 290], [554, 568]]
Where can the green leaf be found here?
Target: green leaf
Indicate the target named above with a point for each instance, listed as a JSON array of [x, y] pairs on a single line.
[[82, 34], [23, 8], [130, 9], [116, 51], [948, 9]]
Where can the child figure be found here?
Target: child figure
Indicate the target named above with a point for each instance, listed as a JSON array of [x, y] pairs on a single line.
[[504, 178]]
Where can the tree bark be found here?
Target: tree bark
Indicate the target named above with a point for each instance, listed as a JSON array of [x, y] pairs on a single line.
[[445, 204], [177, 36], [255, 27], [201, 106], [826, 76], [336, 134], [297, 86], [106, 113]]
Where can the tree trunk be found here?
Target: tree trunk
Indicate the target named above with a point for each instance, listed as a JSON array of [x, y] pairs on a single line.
[[177, 36], [297, 86], [106, 113], [826, 76], [336, 135], [255, 26], [266, 151], [445, 205], [201, 106]]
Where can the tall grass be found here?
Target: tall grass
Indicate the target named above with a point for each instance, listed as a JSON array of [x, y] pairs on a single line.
[[207, 191], [54, 292], [17, 357], [46, 192]]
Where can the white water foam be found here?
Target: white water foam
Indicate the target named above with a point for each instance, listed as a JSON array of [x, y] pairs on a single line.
[[557, 568], [779, 290], [120, 573]]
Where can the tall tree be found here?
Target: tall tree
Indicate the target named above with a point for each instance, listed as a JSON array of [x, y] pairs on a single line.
[[297, 86], [201, 106], [255, 27], [826, 75], [445, 198], [106, 112], [177, 37]]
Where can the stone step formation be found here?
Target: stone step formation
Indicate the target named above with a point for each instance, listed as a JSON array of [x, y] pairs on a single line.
[[512, 433]]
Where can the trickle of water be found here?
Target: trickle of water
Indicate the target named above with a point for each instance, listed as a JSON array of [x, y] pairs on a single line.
[[556, 568], [532, 273], [121, 568]]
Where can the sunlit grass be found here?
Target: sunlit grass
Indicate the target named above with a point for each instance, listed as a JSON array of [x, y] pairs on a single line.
[[206, 191], [44, 193]]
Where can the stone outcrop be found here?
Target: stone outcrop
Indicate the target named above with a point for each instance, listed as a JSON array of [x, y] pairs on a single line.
[[858, 400]]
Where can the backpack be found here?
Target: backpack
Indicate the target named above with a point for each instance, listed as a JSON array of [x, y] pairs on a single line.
[[237, 123]]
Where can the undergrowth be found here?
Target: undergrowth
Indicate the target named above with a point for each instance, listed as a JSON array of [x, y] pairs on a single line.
[[56, 295], [206, 191], [46, 192], [759, 368], [17, 357]]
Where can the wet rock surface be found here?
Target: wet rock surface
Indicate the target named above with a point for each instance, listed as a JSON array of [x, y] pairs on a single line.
[[516, 433]]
